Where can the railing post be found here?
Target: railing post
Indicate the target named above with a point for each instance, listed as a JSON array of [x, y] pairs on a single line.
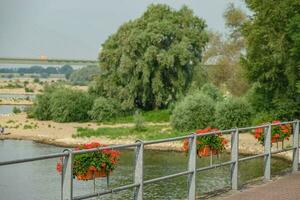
[[296, 146], [65, 160], [139, 171], [67, 176], [234, 159], [267, 151], [192, 167]]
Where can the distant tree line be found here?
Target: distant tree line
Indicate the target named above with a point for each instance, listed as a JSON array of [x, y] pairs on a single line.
[[44, 72]]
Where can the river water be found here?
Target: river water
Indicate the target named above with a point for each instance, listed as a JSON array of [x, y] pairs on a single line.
[[8, 109], [39, 180]]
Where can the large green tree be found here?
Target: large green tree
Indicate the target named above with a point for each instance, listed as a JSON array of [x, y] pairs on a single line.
[[149, 61], [272, 58]]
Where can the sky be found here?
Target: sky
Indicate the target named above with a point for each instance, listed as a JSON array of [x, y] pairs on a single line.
[[75, 29]]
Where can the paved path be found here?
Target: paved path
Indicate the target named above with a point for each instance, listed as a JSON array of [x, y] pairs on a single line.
[[284, 188]]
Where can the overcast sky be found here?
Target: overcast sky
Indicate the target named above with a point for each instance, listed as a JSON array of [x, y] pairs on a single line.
[[77, 28]]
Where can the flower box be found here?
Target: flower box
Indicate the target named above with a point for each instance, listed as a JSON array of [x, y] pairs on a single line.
[[206, 151], [209, 144], [91, 174], [90, 165], [279, 133]]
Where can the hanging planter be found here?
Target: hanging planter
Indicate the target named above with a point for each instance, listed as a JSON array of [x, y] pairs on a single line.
[[279, 133], [207, 145], [91, 174], [91, 165], [206, 151]]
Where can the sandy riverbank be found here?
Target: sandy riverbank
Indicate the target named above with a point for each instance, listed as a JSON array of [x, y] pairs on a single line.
[[60, 134], [15, 102]]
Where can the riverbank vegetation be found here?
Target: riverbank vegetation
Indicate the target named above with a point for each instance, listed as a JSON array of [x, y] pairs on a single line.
[[170, 68]]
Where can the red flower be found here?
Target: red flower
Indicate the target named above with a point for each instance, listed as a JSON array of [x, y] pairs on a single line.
[[285, 130], [59, 167]]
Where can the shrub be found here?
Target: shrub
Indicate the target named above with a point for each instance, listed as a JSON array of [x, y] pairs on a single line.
[[68, 105], [28, 89], [41, 107], [139, 121], [193, 112], [232, 113], [262, 117], [212, 91], [105, 109], [16, 110]]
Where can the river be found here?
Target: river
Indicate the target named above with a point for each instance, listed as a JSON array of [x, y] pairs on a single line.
[[8, 109], [39, 180]]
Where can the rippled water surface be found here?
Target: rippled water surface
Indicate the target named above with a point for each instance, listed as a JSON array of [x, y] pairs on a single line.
[[39, 180]]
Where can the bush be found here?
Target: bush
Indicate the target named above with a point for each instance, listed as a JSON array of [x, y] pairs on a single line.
[[193, 112], [16, 110], [105, 109], [28, 89], [139, 121], [212, 91], [263, 117], [232, 113], [41, 107], [67, 105], [61, 104]]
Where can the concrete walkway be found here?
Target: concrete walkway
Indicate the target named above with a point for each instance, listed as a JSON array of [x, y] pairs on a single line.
[[283, 188]]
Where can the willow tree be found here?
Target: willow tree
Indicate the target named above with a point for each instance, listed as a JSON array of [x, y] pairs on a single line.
[[149, 61]]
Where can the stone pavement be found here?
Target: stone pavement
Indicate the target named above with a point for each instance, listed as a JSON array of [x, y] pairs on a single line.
[[283, 188]]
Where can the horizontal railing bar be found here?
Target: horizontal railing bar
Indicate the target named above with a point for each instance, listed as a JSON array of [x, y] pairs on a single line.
[[282, 150], [167, 177], [252, 157], [97, 194], [168, 140], [282, 123], [253, 127], [214, 166], [106, 147], [56, 155]]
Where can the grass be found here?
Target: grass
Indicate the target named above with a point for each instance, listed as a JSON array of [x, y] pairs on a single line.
[[149, 132], [155, 116]]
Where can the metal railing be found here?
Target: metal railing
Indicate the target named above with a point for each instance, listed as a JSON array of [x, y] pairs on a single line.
[[192, 169]]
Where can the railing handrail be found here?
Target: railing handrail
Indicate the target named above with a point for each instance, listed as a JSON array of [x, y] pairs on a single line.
[[139, 181]]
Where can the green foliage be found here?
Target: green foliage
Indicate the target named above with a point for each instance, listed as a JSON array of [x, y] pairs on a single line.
[[139, 121], [262, 118], [193, 112], [105, 109], [232, 113], [41, 107], [156, 116], [16, 110], [28, 89], [224, 53], [212, 91], [150, 133], [67, 105], [84, 75], [273, 46], [36, 80], [149, 62], [66, 70], [61, 104]]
